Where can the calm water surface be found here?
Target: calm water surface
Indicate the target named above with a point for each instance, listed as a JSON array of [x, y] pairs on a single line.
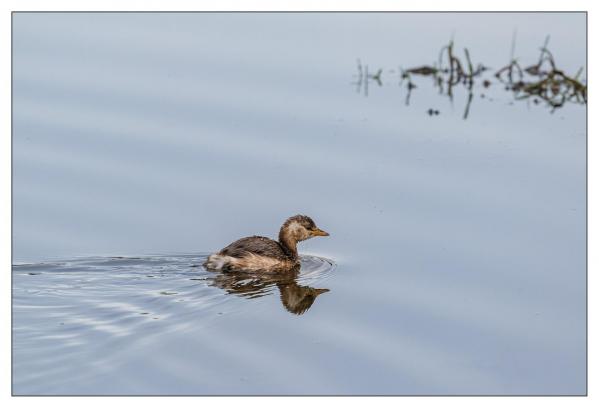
[[456, 261]]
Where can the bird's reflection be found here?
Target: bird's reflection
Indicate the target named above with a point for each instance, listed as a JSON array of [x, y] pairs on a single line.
[[295, 297]]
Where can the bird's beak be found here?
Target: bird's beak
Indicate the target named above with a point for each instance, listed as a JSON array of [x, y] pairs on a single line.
[[320, 233]]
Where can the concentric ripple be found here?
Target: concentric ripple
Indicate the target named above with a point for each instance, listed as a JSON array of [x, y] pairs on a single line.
[[92, 306], [148, 286]]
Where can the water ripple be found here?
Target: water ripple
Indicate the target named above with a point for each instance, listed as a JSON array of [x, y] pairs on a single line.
[[87, 307]]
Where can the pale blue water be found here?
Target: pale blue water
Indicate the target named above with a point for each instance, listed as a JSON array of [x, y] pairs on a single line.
[[456, 262]]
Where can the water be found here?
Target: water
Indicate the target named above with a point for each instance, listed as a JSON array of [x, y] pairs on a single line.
[[456, 262], [109, 307]]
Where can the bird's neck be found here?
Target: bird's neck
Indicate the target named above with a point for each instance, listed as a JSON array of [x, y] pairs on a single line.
[[289, 243]]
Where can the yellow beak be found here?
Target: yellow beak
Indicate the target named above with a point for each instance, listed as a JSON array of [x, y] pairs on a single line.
[[320, 233]]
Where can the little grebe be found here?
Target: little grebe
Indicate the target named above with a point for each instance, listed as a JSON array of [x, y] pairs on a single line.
[[264, 254]]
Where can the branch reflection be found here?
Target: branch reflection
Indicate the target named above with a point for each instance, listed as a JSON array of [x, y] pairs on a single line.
[[541, 82]]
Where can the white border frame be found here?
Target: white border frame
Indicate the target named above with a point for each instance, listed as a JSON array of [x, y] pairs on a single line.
[[264, 5]]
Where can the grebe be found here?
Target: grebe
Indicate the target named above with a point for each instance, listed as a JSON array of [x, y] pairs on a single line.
[[264, 254]]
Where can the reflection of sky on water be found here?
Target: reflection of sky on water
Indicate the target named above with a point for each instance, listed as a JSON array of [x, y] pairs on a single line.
[[460, 243], [174, 106]]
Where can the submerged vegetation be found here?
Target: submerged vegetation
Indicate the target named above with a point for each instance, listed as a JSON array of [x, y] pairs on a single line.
[[541, 82]]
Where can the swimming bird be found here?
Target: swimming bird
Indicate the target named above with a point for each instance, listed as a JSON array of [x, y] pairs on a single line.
[[261, 254]]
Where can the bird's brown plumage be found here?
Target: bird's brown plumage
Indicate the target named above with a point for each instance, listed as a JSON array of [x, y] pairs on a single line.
[[264, 254]]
